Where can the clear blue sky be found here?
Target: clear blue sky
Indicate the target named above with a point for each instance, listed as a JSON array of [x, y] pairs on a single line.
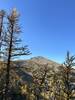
[[48, 26]]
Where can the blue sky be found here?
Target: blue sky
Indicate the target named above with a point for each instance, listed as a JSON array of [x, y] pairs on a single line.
[[48, 26]]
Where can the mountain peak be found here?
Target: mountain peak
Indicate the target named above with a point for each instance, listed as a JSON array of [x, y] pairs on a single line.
[[42, 60], [38, 57]]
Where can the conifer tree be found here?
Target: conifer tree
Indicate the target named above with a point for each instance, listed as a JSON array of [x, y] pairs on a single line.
[[67, 71], [11, 48]]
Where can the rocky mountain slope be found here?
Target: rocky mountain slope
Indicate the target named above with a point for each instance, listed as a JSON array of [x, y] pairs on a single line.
[[25, 68], [35, 62]]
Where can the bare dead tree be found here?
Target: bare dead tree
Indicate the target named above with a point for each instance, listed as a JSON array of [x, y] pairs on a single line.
[[2, 14]]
